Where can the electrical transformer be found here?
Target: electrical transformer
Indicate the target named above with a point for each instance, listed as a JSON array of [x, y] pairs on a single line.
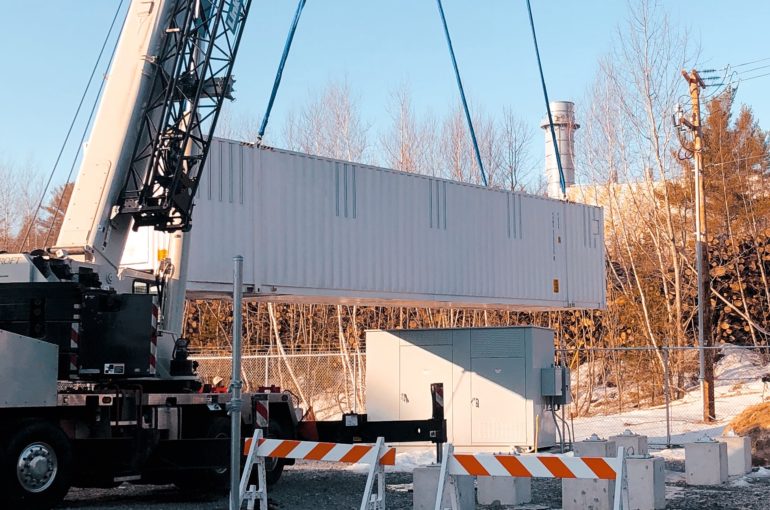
[[493, 382]]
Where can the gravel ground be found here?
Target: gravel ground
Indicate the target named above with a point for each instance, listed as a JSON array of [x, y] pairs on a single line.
[[308, 487]]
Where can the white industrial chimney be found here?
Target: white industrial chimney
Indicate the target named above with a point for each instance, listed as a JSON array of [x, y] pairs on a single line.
[[563, 114]]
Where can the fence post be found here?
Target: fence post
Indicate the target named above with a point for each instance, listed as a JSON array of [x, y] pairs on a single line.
[[667, 394], [235, 384]]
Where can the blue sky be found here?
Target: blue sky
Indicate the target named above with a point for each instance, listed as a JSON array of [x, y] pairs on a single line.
[[375, 46]]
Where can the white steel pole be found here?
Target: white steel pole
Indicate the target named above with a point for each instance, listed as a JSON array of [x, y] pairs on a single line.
[[235, 385]]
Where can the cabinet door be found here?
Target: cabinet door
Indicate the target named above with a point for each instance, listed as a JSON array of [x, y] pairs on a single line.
[[498, 406], [420, 367]]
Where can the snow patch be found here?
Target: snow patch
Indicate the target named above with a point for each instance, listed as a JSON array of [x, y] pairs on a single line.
[[670, 454], [407, 459], [759, 473], [738, 385], [740, 482]]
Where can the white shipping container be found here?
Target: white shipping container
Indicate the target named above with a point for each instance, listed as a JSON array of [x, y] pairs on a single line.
[[315, 229]]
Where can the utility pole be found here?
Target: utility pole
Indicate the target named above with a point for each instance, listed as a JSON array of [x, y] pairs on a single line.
[[706, 355]]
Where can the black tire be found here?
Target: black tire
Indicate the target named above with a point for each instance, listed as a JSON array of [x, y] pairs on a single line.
[[35, 467], [274, 467], [210, 480]]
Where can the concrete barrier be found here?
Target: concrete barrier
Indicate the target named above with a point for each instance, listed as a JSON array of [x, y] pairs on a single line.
[[634, 444], [580, 494], [497, 490], [738, 454], [647, 482], [425, 482], [705, 462]]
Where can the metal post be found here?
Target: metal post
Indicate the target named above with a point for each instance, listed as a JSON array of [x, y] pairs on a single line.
[[235, 386], [667, 395], [563, 426]]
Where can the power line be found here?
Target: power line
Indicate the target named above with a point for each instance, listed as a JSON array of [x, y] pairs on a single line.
[[759, 159], [753, 69], [754, 77], [751, 62], [69, 130], [737, 65]]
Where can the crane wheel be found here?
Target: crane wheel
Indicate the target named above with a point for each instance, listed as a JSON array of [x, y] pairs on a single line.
[[274, 467], [35, 466], [210, 480]]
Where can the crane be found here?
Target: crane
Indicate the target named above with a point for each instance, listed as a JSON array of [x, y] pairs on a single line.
[[103, 387], [97, 385]]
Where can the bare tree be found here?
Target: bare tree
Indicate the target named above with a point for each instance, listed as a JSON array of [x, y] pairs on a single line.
[[237, 125], [330, 124], [453, 146], [8, 193], [629, 149], [488, 138], [403, 144], [23, 190], [516, 138]]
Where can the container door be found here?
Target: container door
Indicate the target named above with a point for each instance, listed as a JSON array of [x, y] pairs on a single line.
[[421, 366], [498, 406]]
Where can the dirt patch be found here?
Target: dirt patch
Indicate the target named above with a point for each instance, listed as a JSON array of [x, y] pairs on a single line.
[[754, 422]]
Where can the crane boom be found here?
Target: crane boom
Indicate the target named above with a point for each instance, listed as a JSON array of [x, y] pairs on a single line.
[[90, 231], [193, 78], [172, 72]]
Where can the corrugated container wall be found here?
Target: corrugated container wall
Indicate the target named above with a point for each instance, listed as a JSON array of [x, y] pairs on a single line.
[[319, 230]]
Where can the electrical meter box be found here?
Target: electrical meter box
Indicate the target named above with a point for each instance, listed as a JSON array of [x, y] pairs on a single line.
[[566, 389], [551, 381], [492, 382], [555, 384]]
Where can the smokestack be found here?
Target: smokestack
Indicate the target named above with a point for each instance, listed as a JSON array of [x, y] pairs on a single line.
[[563, 113]]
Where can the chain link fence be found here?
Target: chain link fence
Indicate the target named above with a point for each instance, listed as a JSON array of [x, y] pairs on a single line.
[[649, 391], [332, 383], [657, 392]]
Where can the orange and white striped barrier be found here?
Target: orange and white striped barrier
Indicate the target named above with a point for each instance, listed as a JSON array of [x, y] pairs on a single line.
[[325, 452], [528, 466], [377, 455]]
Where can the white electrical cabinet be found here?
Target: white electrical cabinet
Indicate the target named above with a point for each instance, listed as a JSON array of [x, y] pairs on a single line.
[[491, 376]]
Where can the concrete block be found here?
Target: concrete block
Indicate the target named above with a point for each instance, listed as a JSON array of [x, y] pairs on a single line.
[[634, 444], [595, 448], [491, 490], [589, 494], [705, 462], [738, 454], [425, 480], [646, 482]]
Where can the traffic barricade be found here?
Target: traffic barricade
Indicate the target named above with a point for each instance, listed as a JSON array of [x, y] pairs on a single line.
[[528, 466], [377, 455]]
